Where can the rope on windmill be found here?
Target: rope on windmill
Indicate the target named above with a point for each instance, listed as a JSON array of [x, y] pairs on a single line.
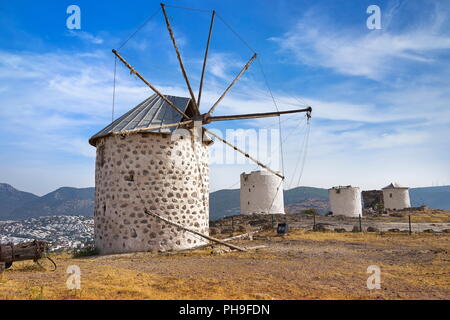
[[303, 125], [138, 29], [305, 152]]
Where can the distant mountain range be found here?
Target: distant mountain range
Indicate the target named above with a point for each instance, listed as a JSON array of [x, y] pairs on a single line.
[[433, 197], [11, 199], [19, 205]]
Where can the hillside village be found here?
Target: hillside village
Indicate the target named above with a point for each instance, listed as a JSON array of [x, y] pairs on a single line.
[[63, 232]]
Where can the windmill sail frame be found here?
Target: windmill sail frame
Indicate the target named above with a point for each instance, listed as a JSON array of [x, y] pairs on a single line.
[[206, 117]]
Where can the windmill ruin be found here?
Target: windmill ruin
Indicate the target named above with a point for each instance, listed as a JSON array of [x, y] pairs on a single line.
[[392, 197], [152, 184], [345, 201], [396, 197], [261, 193]]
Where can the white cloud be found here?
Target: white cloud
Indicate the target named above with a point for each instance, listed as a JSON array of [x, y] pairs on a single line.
[[63, 98], [86, 36], [361, 52], [222, 65]]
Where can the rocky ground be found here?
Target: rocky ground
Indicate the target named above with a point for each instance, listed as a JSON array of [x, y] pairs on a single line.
[[70, 232], [430, 221]]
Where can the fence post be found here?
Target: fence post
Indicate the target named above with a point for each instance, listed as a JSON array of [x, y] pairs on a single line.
[[360, 224], [232, 224], [273, 222], [409, 222], [314, 222]]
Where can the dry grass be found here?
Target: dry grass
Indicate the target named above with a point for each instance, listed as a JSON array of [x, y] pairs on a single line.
[[301, 265], [430, 216]]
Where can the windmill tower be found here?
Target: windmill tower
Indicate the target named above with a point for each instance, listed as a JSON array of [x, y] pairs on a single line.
[[345, 201], [261, 193], [152, 170], [396, 197]]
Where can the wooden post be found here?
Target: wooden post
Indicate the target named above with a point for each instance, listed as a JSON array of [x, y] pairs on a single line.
[[232, 225], [409, 222], [360, 224], [273, 222], [210, 119], [314, 222]]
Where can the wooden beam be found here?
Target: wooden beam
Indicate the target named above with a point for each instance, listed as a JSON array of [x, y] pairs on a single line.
[[183, 71], [254, 115], [232, 246], [149, 84], [245, 154], [205, 58], [164, 126], [231, 84]]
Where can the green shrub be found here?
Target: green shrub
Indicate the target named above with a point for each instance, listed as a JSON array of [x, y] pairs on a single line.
[[85, 252], [310, 212]]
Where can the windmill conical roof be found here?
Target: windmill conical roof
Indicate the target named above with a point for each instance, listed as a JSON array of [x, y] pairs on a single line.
[[395, 185], [153, 111]]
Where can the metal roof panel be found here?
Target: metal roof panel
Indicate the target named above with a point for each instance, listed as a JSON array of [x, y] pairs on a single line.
[[153, 111]]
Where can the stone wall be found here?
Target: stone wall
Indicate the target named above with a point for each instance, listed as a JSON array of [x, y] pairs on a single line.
[[149, 170], [372, 198], [345, 201], [396, 198]]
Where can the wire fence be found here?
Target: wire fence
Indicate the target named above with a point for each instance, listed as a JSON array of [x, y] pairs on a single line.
[[317, 223]]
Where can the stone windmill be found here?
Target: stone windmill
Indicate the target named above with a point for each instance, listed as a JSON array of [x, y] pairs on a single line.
[[152, 184]]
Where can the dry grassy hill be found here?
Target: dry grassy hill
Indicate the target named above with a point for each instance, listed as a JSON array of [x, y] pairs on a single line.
[[301, 265]]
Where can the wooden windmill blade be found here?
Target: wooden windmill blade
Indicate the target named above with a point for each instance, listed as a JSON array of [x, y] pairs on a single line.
[[180, 60], [256, 115], [247, 65], [205, 58], [149, 84], [252, 116], [207, 118]]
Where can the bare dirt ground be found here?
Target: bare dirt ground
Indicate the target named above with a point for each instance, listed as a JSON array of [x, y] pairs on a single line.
[[300, 265]]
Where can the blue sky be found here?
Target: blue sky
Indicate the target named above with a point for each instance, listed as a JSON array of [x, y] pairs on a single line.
[[380, 97]]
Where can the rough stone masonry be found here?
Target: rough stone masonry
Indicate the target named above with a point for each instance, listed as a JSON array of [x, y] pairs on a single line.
[[372, 198], [150, 171]]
